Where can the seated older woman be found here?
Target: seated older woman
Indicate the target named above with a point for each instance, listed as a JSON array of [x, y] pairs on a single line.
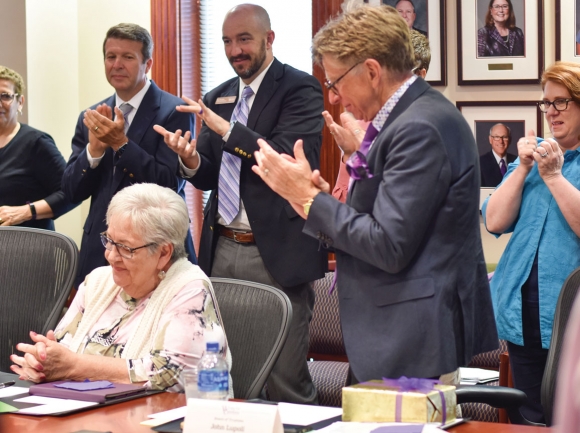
[[142, 319]]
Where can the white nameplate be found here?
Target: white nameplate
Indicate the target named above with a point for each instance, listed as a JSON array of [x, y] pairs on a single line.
[[225, 100], [212, 416]]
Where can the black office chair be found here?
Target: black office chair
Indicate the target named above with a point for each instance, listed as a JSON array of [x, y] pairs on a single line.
[[329, 366], [37, 270], [511, 399], [256, 318]]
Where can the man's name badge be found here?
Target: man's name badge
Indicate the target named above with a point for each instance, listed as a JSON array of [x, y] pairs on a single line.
[[209, 416], [225, 100]]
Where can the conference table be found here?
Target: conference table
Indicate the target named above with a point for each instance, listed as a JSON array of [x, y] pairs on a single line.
[[125, 418]]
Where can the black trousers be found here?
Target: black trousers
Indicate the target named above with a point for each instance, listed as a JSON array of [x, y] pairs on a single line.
[[529, 361]]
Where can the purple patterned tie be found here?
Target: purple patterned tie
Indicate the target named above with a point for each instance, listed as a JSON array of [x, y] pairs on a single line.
[[368, 139], [502, 167], [229, 180]]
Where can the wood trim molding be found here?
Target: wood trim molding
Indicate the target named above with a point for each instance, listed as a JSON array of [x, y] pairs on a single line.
[[322, 11]]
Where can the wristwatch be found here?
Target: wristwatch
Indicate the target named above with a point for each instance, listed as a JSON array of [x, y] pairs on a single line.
[[307, 205], [32, 209]]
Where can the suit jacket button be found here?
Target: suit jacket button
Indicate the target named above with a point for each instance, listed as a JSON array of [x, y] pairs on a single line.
[[131, 175], [237, 149], [244, 153], [124, 170]]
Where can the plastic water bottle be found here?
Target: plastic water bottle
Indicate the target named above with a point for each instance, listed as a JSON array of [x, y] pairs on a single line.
[[212, 374]]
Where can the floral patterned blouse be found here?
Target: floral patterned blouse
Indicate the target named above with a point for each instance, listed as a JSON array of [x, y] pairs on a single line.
[[179, 344]]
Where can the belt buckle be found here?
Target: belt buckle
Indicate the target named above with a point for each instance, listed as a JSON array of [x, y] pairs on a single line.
[[235, 233]]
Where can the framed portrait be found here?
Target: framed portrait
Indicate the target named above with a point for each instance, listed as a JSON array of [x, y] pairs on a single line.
[[568, 30], [500, 41], [518, 116], [428, 18]]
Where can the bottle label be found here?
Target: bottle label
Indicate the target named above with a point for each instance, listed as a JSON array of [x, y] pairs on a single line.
[[212, 380]]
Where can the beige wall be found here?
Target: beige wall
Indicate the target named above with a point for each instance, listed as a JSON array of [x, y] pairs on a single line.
[[60, 54], [13, 54]]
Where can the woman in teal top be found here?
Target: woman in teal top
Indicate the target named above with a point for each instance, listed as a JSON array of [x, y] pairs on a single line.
[[539, 200]]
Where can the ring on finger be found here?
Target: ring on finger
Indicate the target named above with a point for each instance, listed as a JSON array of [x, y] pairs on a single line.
[[543, 155], [356, 131], [266, 171], [527, 141], [96, 128], [1, 221]]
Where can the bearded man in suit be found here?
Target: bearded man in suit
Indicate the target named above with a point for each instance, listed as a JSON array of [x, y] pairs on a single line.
[[249, 232]]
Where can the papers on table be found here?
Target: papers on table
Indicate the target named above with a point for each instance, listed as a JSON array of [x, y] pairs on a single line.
[[12, 390], [290, 414], [371, 427], [472, 376], [302, 414], [164, 417], [49, 405]]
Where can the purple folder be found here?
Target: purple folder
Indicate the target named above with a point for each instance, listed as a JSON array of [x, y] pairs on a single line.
[[98, 395]]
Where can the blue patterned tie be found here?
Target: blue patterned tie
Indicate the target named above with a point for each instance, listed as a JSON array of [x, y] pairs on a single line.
[[229, 180], [126, 108]]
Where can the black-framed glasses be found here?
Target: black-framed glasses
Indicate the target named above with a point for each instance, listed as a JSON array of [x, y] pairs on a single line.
[[559, 104], [498, 7], [500, 137], [330, 85], [7, 98], [123, 250]]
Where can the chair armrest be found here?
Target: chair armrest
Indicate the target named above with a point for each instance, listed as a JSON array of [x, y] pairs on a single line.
[[509, 399]]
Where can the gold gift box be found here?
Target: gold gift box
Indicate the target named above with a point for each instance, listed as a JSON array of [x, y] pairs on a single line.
[[374, 401]]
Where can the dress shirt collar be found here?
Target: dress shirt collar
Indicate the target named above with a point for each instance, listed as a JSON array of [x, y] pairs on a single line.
[[255, 85], [136, 100], [499, 158], [386, 109]]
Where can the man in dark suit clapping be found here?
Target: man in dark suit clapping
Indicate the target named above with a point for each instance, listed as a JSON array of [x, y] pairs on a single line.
[[115, 146]]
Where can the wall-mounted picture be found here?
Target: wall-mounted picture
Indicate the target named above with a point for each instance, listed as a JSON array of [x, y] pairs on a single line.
[[428, 18], [497, 126], [499, 41], [568, 30]]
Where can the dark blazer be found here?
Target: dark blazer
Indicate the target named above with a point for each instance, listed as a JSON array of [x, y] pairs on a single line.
[[412, 285], [490, 173], [287, 107], [146, 159]]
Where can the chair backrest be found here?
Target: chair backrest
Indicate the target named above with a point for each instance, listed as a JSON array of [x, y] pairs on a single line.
[[256, 318], [489, 360], [37, 270], [563, 307], [326, 341]]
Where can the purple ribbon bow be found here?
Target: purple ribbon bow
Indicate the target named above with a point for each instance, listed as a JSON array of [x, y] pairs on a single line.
[[406, 384]]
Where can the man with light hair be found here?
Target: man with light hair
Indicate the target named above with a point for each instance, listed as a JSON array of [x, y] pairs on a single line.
[[411, 277]]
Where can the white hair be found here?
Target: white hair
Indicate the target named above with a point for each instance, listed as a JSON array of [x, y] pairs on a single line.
[[156, 213]]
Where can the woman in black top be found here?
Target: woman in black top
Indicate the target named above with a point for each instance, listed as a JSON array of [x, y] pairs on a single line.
[[31, 166]]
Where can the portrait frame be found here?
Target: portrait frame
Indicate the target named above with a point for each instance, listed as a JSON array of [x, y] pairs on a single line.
[[437, 36], [474, 70], [502, 112], [567, 24]]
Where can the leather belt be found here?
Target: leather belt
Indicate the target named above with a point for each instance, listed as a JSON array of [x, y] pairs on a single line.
[[239, 237]]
